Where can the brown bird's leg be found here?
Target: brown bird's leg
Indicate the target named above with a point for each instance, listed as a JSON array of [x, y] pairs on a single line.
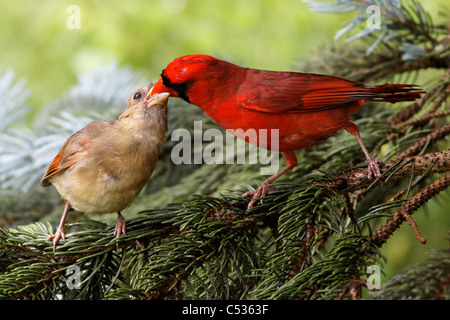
[[291, 161], [373, 169], [60, 232], [120, 225]]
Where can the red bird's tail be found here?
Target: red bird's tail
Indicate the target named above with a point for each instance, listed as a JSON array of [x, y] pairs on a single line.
[[393, 92]]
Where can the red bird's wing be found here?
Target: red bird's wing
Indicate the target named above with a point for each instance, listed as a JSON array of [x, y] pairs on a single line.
[[291, 92], [73, 150]]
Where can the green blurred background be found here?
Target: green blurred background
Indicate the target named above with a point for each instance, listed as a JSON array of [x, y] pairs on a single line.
[[145, 35]]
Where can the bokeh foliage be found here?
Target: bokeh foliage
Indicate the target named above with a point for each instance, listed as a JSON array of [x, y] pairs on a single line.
[[146, 35]]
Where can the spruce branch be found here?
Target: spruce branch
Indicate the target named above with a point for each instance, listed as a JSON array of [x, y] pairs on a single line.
[[405, 41], [13, 98], [417, 122], [200, 235], [328, 277], [395, 170], [410, 111], [422, 281], [403, 21], [431, 138], [404, 212]]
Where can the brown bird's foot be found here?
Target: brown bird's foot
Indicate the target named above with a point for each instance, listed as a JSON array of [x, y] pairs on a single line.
[[258, 194], [60, 232], [121, 225]]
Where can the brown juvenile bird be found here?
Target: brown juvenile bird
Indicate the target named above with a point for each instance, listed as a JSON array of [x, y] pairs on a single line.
[[105, 165]]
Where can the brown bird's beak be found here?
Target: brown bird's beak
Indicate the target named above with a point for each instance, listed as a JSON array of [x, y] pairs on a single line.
[[159, 87], [158, 99]]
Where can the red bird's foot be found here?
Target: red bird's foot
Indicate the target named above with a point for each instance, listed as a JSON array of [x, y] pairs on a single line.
[[373, 168], [257, 194], [60, 232], [121, 225], [291, 161]]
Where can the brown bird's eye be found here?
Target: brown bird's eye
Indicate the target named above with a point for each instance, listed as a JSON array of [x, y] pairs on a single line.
[[137, 95]]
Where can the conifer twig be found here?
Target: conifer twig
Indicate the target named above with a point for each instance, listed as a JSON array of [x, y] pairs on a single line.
[[418, 146], [404, 212], [357, 178], [407, 113]]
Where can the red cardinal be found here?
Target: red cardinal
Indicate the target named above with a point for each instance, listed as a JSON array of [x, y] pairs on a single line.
[[306, 108]]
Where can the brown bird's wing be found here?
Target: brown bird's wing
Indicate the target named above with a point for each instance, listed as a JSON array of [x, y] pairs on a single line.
[[291, 92], [74, 149]]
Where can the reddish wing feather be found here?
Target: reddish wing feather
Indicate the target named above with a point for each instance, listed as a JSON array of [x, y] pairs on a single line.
[[296, 92], [290, 92], [70, 154], [75, 148], [52, 169]]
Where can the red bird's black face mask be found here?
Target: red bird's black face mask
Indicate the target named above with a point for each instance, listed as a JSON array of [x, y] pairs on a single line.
[[180, 88]]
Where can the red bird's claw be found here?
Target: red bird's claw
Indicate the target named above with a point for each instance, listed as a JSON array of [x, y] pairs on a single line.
[[58, 234], [373, 168], [257, 194]]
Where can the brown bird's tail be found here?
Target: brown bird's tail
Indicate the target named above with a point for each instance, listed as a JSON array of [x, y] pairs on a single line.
[[394, 92]]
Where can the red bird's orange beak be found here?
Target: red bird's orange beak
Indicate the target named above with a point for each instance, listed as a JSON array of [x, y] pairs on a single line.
[[160, 88]]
